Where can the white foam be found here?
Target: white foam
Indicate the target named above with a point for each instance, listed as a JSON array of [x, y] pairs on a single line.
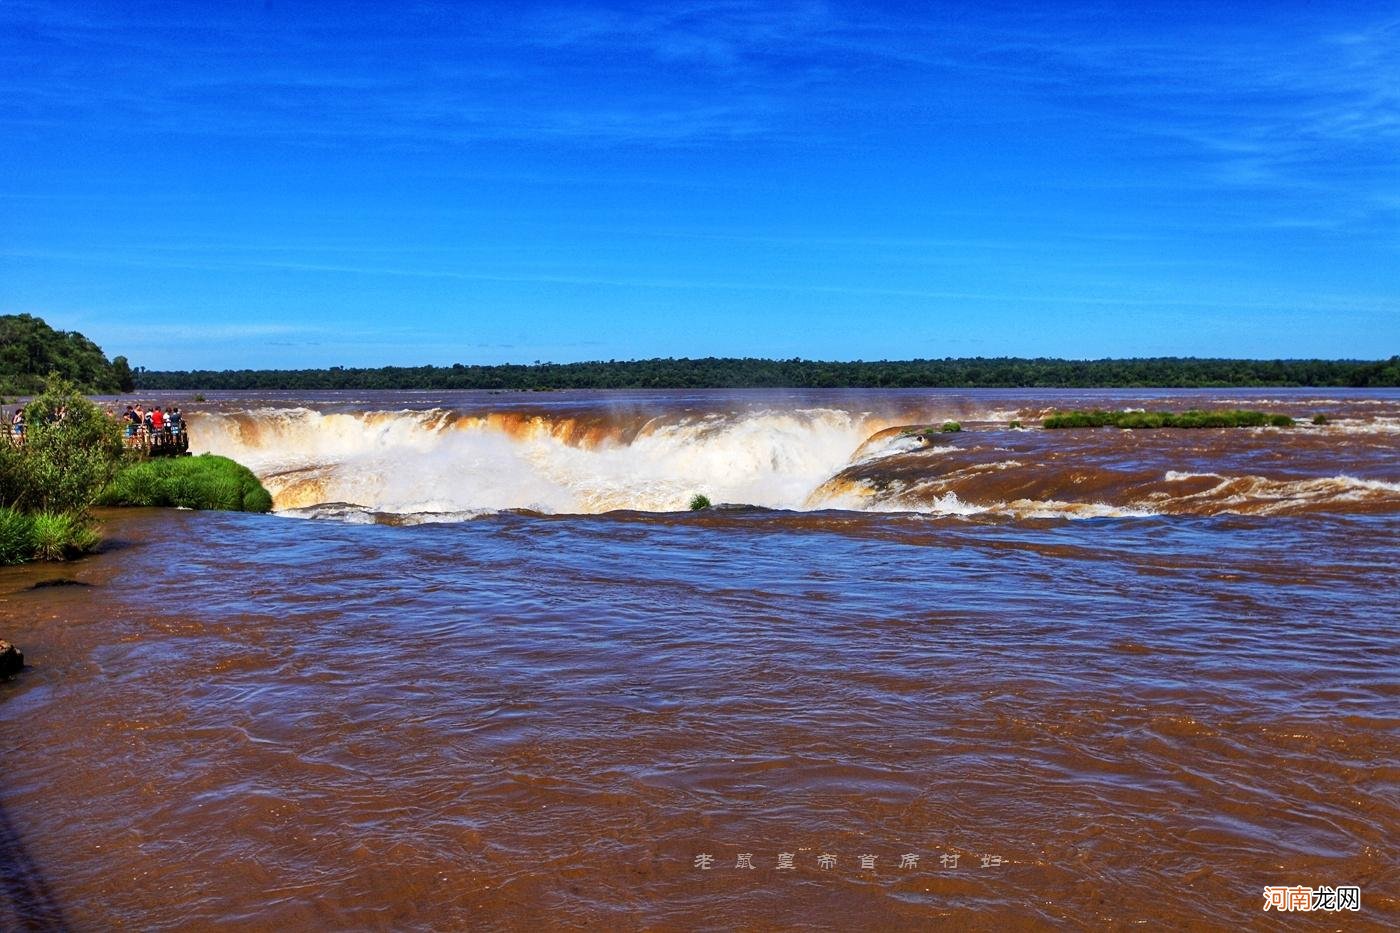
[[416, 462]]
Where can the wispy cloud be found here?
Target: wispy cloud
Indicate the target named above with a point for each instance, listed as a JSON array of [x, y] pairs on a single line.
[[1087, 293], [1270, 105], [158, 331]]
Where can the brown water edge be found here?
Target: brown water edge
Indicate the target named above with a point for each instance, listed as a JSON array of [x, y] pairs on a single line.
[[526, 721]]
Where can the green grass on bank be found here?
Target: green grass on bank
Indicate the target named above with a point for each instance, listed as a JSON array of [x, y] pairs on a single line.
[[43, 536], [203, 482], [1195, 418]]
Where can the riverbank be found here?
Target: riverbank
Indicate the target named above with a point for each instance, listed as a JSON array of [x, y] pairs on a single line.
[[206, 482]]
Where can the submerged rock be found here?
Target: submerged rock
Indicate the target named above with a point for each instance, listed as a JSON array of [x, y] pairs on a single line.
[[11, 659], [62, 581]]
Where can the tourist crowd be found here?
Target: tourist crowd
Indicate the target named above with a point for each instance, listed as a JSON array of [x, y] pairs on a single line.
[[141, 426], [154, 425]]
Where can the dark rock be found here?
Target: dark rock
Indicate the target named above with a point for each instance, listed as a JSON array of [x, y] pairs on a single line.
[[11, 659], [61, 581]]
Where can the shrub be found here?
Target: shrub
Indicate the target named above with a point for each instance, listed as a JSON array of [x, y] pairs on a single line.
[[203, 482], [61, 535], [71, 451], [699, 501], [199, 397], [1319, 419], [1015, 425], [1194, 418], [950, 427]]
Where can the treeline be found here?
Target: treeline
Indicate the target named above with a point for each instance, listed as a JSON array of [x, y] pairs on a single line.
[[31, 350], [729, 373]]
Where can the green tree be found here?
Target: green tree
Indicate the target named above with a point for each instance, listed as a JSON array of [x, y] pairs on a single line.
[[121, 371], [71, 451], [30, 350]]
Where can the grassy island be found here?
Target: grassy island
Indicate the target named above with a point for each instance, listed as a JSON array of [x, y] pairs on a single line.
[[203, 482], [948, 427], [1195, 418]]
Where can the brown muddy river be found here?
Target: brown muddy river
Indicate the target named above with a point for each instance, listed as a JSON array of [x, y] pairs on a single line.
[[483, 670]]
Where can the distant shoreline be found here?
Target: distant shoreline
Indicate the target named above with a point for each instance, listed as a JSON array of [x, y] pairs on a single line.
[[749, 373]]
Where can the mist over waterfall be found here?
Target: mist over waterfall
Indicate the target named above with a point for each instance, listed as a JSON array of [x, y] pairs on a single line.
[[444, 462]]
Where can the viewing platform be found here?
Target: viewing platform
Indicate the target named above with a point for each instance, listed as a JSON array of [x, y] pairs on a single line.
[[166, 442], [162, 443]]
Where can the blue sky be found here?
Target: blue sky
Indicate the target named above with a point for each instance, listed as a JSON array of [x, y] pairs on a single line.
[[297, 184]]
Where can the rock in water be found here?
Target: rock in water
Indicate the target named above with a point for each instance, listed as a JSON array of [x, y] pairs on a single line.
[[62, 581], [11, 659]]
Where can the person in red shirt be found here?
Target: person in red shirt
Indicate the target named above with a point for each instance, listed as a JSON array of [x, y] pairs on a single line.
[[157, 419]]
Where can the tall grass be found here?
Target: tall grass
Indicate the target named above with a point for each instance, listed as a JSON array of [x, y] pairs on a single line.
[[16, 537], [203, 482], [59, 536], [44, 536]]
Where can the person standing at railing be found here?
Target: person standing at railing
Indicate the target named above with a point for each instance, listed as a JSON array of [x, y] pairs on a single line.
[[133, 421], [175, 420], [17, 425]]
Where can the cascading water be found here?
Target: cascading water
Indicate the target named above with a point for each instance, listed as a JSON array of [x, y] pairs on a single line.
[[439, 462], [597, 456]]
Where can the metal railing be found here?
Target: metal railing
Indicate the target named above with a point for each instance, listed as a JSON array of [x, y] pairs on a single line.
[[152, 442], [157, 442]]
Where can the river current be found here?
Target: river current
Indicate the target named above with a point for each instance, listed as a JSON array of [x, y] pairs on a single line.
[[482, 669]]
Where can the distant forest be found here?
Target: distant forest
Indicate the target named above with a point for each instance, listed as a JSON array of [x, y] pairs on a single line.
[[30, 350], [727, 373]]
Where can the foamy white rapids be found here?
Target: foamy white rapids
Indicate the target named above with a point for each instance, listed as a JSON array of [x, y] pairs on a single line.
[[428, 462], [1266, 496], [948, 503]]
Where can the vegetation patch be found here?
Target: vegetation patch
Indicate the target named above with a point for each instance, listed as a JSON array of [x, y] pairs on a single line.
[[1194, 418], [699, 502], [1319, 419], [203, 482], [16, 537], [70, 450], [44, 536], [929, 431], [70, 457]]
